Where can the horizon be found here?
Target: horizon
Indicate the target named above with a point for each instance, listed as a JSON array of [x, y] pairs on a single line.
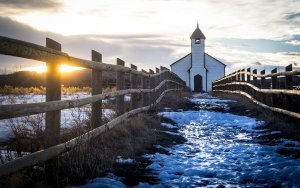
[[156, 33]]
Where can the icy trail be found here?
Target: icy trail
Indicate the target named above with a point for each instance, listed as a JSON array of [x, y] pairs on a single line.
[[221, 150]]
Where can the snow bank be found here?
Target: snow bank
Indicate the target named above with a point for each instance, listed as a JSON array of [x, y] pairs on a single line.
[[168, 125], [124, 161]]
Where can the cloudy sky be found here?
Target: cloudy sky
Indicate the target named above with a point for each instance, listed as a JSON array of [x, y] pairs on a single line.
[[151, 33]]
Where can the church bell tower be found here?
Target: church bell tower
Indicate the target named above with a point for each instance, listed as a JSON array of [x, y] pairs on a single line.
[[198, 72]]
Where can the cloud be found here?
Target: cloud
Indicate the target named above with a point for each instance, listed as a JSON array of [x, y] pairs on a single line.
[[294, 42], [145, 51], [30, 4], [239, 59], [293, 16]]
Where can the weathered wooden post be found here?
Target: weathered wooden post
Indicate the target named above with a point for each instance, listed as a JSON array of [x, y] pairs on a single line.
[[289, 86], [238, 87], [254, 77], [254, 72], [156, 70], [133, 85], [248, 72], [144, 86], [53, 93], [262, 86], [248, 75], [262, 80], [274, 86], [96, 118], [120, 86], [243, 79], [243, 75]]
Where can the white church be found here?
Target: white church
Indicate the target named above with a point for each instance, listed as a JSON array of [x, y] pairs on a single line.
[[198, 69]]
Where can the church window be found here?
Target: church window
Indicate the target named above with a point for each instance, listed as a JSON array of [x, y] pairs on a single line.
[[197, 41]]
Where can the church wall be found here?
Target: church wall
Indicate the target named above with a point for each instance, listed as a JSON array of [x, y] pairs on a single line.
[[215, 69], [181, 68]]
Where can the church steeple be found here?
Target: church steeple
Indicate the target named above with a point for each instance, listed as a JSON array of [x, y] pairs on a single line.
[[197, 34]]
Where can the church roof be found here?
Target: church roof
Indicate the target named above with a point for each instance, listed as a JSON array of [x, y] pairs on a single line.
[[198, 34]]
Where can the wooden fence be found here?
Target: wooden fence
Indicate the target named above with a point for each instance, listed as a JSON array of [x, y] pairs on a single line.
[[146, 89], [275, 91]]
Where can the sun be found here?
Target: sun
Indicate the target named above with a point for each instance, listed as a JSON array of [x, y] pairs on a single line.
[[43, 69]]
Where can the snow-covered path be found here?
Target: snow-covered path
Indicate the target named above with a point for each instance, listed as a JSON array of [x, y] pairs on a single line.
[[222, 149]]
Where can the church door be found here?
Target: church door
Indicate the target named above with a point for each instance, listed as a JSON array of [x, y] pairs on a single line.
[[198, 83]]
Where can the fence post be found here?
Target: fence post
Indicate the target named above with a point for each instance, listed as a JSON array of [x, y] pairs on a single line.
[[248, 75], [144, 95], [120, 86], [243, 75], [289, 86], [262, 86], [53, 92], [133, 85], [255, 77], [248, 72], [274, 86], [156, 70], [262, 80], [96, 118], [243, 79]]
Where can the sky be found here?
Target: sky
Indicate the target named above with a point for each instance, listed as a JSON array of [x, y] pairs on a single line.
[[152, 33]]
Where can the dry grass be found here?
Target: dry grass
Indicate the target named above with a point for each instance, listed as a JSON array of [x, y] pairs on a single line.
[[6, 90]]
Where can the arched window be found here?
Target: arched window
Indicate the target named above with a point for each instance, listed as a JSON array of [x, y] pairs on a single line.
[[197, 41]]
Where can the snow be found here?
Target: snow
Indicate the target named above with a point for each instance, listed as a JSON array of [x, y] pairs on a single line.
[[124, 161], [221, 151], [171, 133], [168, 125], [109, 181], [7, 155], [103, 183]]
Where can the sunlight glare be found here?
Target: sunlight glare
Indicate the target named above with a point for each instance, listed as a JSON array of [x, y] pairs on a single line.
[[42, 69]]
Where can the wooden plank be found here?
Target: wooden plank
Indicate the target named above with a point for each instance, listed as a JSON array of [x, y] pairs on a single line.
[[96, 117], [120, 86], [282, 111], [53, 93], [267, 91]]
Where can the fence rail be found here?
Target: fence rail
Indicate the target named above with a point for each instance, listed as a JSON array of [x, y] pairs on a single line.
[[276, 93], [146, 89]]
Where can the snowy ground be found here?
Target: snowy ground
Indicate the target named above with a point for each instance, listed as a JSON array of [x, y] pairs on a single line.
[[220, 151], [69, 117]]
